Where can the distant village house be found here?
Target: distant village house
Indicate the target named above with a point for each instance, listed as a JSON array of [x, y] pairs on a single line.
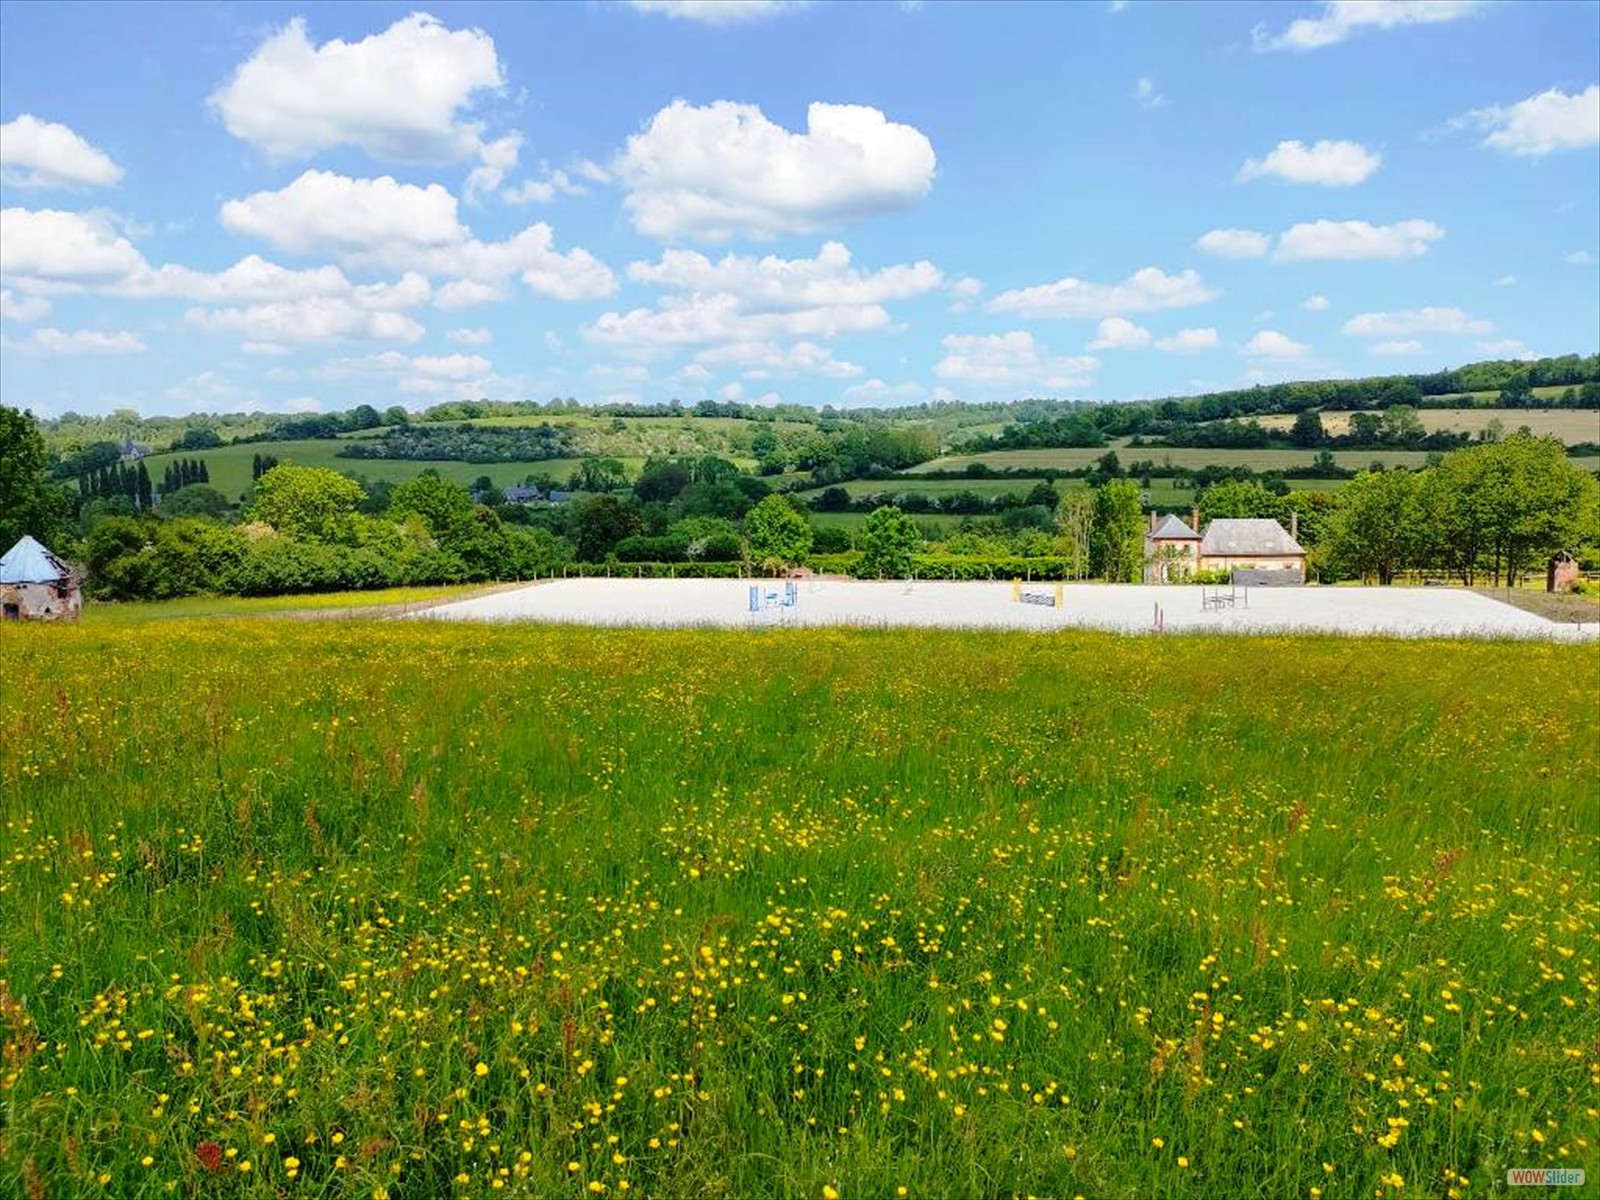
[[36, 585], [1174, 550]]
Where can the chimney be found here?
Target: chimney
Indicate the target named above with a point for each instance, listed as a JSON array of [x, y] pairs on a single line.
[[1194, 518], [1294, 525], [1153, 515]]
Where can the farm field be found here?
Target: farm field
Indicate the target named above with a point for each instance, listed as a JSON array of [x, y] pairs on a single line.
[[1571, 425], [1162, 491], [414, 909], [940, 522], [1260, 460], [230, 465], [642, 437]]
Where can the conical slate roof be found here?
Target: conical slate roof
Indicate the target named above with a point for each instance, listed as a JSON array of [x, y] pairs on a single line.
[[29, 562]]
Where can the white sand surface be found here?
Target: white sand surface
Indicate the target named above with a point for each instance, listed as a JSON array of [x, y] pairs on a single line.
[[1403, 612]]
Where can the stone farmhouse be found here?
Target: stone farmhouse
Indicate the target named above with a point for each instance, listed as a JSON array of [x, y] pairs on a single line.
[[1175, 550], [36, 585]]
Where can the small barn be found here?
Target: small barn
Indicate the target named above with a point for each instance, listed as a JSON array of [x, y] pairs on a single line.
[[35, 585], [1253, 544]]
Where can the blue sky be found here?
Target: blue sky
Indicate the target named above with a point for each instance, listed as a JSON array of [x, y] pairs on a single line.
[[290, 207]]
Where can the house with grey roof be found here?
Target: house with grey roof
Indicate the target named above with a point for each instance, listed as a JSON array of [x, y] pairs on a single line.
[[37, 585], [1256, 544], [1174, 550], [1171, 550]]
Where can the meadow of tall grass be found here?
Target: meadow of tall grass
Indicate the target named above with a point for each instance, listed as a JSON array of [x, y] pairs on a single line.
[[411, 910]]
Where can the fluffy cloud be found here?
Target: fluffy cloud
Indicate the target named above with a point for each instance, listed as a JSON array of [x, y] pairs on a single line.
[[397, 94], [1330, 163], [1342, 18], [719, 12], [542, 191], [496, 158], [467, 293], [379, 223], [1409, 321], [324, 211], [875, 393], [446, 366], [35, 153], [1119, 333], [1397, 349], [1315, 304], [761, 360], [1188, 341], [788, 283], [22, 308], [63, 246], [1146, 290], [470, 337], [1509, 347], [1234, 243], [705, 320], [724, 169], [1269, 343], [1541, 124], [1013, 361], [1352, 240], [83, 341], [319, 319]]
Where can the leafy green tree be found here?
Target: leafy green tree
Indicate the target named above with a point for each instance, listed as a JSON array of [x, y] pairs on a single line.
[[1235, 499], [1307, 430], [1116, 545], [442, 505], [305, 502], [777, 533], [599, 475], [888, 539], [601, 523], [1075, 523], [195, 500], [29, 502], [1378, 530]]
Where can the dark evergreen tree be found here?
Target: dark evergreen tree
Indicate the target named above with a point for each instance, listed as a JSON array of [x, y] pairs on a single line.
[[144, 497]]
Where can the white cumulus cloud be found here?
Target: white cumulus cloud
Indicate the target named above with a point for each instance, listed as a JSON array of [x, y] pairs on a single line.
[[1188, 341], [1542, 124], [319, 319], [1269, 343], [1234, 243], [398, 95], [1330, 163], [83, 341], [380, 223], [63, 246], [1146, 290], [771, 282], [35, 153], [1353, 240], [1119, 333], [1342, 18], [1409, 321], [22, 308], [470, 337], [1315, 304], [724, 169], [1013, 361]]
